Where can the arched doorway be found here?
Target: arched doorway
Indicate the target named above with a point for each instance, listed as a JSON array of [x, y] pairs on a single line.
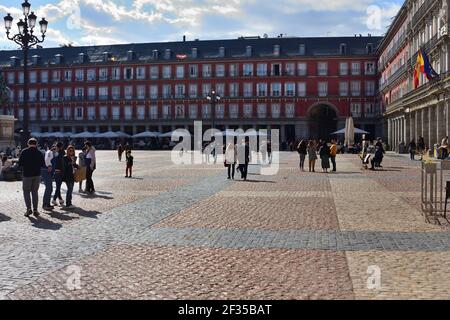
[[322, 121]]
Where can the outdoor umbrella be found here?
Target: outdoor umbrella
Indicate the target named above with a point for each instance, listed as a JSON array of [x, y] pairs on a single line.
[[176, 134], [350, 132], [36, 134], [357, 131], [121, 134], [85, 135], [146, 134], [108, 135]]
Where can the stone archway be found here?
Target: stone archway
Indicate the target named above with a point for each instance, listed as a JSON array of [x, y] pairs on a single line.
[[322, 121]]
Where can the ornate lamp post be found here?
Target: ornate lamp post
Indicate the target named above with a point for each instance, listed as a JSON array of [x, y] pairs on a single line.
[[26, 39], [214, 98]]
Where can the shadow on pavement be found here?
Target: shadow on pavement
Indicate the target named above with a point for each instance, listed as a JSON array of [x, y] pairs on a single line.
[[59, 216], [95, 196], [4, 218], [42, 223], [83, 213]]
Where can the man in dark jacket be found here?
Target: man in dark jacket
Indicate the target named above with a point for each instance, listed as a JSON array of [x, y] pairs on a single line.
[[31, 161], [59, 167]]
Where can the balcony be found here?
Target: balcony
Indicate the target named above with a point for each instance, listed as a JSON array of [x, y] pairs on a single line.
[[420, 14]]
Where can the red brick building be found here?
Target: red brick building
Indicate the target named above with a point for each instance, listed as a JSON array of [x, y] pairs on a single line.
[[306, 87]]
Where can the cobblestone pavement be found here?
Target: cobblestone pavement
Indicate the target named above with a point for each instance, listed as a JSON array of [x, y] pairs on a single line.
[[185, 232]]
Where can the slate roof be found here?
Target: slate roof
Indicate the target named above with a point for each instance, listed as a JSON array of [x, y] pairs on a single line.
[[207, 49]]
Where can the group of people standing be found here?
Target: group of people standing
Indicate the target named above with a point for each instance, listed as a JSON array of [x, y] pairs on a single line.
[[58, 165], [238, 154], [420, 148], [312, 149]]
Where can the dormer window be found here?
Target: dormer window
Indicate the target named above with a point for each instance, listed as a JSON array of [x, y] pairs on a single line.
[[369, 48], [167, 54], [249, 51], [194, 53], [302, 49], [222, 52], [342, 49], [155, 54], [276, 50]]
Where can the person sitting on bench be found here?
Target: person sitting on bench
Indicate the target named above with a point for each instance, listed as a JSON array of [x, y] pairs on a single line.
[[378, 159]]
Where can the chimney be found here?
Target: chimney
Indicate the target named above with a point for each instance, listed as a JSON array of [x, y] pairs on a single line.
[[184, 38]]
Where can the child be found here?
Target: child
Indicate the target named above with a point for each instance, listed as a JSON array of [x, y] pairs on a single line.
[[129, 164]]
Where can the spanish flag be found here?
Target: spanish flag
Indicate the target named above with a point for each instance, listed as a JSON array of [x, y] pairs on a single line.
[[424, 66]]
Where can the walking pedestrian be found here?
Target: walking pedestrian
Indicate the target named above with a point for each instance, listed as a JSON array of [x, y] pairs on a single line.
[[230, 158], [58, 164], [324, 153], [91, 165], [70, 165], [47, 176], [412, 147], [302, 150], [312, 155], [421, 147], [32, 161], [120, 151], [333, 153], [269, 151], [129, 169], [244, 158]]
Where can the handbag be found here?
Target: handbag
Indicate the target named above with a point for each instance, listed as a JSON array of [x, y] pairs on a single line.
[[80, 174]]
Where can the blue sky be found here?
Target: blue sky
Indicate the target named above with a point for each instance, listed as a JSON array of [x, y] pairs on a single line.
[[88, 22]]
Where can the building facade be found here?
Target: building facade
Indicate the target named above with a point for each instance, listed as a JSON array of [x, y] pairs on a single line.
[[305, 87], [410, 112]]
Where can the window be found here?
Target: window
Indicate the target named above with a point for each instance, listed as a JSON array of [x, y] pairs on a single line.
[[343, 89], [79, 113], [128, 92], [290, 110], [103, 93], [193, 71], [154, 72], [248, 89], [261, 89], [180, 72], [206, 89], [322, 68], [116, 92], [234, 90], [355, 88], [167, 91], [33, 77], [79, 93], [179, 91], [248, 111], [153, 112], [116, 113], [44, 114], [323, 89], [289, 89], [91, 75], [92, 93], [302, 89], [220, 111], [79, 75], [32, 114], [193, 91], [302, 68], [261, 70], [140, 92], [91, 113], [370, 68], [67, 93], [220, 70], [44, 76], [206, 111], [21, 95], [356, 68], [128, 112], [220, 89], [276, 111], [207, 71], [369, 109], [140, 73], [179, 109], [262, 111], [233, 110], [103, 72], [153, 92], [370, 88], [103, 113], [68, 75], [32, 95], [276, 69], [11, 77], [355, 109], [248, 69], [55, 76], [302, 49], [234, 70], [343, 68], [290, 69], [128, 73], [55, 94], [166, 112], [193, 111], [275, 89], [55, 113], [116, 73], [167, 72]]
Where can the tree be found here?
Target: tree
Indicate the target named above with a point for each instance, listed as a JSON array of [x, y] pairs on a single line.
[[4, 95]]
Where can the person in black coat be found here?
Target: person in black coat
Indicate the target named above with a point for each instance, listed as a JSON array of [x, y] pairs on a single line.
[[412, 148], [69, 167], [58, 165]]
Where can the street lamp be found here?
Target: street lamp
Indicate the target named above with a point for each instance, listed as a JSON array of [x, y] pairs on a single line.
[[214, 98], [26, 40]]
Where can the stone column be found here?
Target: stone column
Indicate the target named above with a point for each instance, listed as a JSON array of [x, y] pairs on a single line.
[[282, 133], [389, 132]]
